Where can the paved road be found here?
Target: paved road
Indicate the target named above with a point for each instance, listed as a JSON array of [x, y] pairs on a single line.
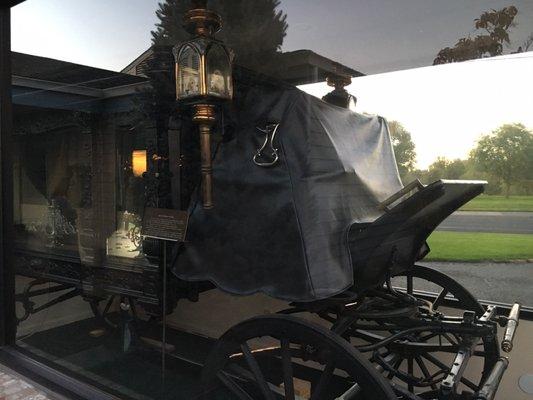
[[502, 282], [502, 222]]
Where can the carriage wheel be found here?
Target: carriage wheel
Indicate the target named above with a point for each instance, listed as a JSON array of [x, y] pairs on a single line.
[[283, 357], [422, 360], [110, 310]]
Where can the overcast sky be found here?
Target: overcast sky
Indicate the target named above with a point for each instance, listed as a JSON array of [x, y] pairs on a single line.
[[448, 107], [445, 108], [383, 35], [369, 35]]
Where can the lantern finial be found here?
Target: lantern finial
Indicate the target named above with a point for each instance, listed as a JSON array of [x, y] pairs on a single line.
[[339, 96], [200, 21]]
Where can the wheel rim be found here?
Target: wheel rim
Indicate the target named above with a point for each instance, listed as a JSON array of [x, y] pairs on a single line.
[[283, 357]]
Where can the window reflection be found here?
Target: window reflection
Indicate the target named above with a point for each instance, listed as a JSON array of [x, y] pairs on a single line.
[[95, 148], [64, 182], [53, 178]]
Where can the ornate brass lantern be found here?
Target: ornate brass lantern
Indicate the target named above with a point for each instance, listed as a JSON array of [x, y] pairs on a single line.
[[203, 77], [203, 68]]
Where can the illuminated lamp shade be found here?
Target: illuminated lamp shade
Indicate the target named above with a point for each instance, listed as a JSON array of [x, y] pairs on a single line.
[[138, 162], [203, 70]]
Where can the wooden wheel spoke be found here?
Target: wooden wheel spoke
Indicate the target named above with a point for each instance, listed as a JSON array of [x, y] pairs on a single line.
[[324, 380], [440, 298], [427, 337], [286, 361], [469, 383], [352, 393], [409, 284], [233, 386], [410, 372], [435, 361], [424, 370], [395, 366], [256, 371], [108, 305], [450, 339]]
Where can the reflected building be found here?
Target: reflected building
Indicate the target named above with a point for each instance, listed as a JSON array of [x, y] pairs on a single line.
[[297, 67]]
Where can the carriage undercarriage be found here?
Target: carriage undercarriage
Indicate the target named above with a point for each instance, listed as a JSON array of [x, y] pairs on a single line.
[[423, 352], [441, 346]]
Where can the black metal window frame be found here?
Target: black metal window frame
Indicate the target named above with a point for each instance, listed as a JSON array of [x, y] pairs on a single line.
[[9, 354], [7, 280]]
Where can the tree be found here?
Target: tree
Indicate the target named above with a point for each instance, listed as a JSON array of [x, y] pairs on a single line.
[[527, 44], [455, 169], [254, 30], [169, 30], [495, 25], [442, 168], [404, 148], [437, 169], [507, 154]]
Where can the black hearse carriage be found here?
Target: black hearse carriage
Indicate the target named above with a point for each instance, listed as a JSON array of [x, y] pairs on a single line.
[[309, 208]]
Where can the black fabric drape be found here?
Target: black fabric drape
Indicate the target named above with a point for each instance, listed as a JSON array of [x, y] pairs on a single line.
[[283, 230]]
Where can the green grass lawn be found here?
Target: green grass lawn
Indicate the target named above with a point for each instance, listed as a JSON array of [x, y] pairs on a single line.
[[499, 203], [476, 246]]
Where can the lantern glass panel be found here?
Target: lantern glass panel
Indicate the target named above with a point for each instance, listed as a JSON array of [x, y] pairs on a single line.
[[188, 78], [218, 72]]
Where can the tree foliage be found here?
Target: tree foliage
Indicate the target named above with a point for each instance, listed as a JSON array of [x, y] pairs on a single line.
[[169, 30], [443, 168], [507, 154], [494, 25], [254, 30], [404, 148]]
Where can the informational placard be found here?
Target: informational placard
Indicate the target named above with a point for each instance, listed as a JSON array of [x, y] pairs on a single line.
[[165, 224]]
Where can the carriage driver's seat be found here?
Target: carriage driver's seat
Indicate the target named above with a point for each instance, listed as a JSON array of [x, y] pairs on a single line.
[[397, 239]]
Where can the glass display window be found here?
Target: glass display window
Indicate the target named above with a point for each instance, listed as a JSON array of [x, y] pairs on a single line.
[[270, 199]]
